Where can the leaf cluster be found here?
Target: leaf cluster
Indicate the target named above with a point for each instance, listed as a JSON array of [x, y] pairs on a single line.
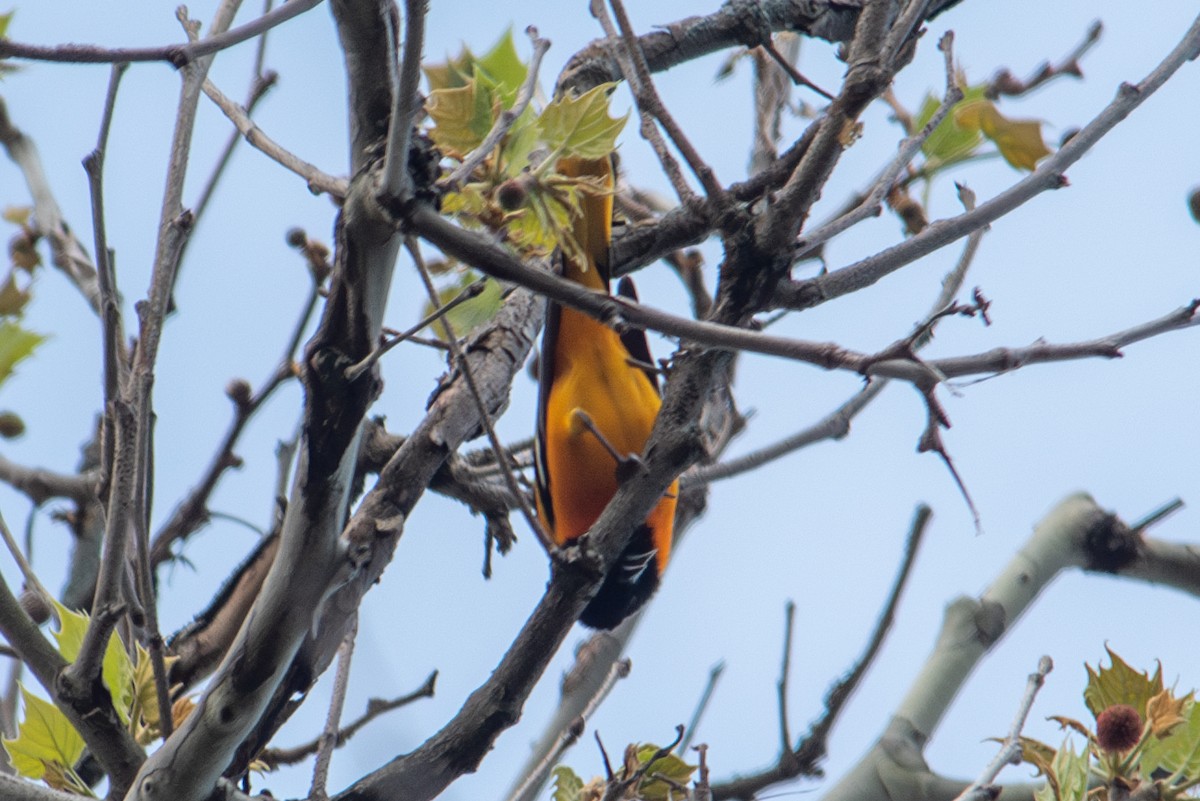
[[515, 190], [1164, 751], [48, 747], [647, 774]]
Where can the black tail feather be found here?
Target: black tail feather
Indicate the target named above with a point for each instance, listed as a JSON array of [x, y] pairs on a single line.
[[627, 587]]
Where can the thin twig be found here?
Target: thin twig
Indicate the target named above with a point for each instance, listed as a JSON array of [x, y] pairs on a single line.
[[841, 691], [112, 329], [649, 132], [375, 708], [785, 669], [67, 253], [471, 291], [710, 688], [329, 737], [807, 244], [318, 181], [179, 55], [40, 484], [192, 511], [650, 101], [1158, 515], [1007, 84], [537, 776], [406, 101], [32, 582], [260, 85], [475, 249], [506, 118], [1048, 175], [808, 752], [414, 249], [981, 789]]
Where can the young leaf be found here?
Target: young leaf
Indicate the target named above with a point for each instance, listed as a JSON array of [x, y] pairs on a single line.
[[581, 126], [116, 670], [1019, 141], [16, 344], [567, 785], [949, 141], [670, 767], [451, 74], [504, 68], [1067, 779], [469, 314], [45, 737], [13, 299], [4, 20], [1164, 712], [1179, 751], [462, 117], [1120, 684]]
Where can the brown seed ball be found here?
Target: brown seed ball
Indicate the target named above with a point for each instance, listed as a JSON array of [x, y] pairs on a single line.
[[1118, 728]]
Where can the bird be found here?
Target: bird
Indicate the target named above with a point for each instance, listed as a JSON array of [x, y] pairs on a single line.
[[597, 402]]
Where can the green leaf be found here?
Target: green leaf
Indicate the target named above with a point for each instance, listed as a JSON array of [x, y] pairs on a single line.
[[949, 141], [1120, 684], [4, 20], [519, 143], [670, 767], [44, 738], [581, 126], [1179, 751], [116, 671], [503, 68], [1067, 779], [16, 343], [567, 785], [469, 314], [462, 117], [451, 74]]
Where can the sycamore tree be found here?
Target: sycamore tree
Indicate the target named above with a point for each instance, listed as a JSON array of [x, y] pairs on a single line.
[[801, 228]]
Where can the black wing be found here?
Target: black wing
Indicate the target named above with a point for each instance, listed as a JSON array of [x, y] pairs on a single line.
[[634, 339]]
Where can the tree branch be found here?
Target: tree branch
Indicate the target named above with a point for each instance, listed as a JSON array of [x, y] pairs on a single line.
[[178, 55], [1048, 175]]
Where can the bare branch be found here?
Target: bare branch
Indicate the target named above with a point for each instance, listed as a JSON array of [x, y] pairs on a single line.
[[806, 757], [67, 253], [329, 737], [375, 708], [178, 55], [40, 484], [406, 101], [1010, 750], [317, 180], [1048, 175], [1005, 83], [871, 205]]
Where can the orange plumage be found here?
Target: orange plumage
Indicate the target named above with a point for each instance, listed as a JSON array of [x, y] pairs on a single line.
[[589, 372]]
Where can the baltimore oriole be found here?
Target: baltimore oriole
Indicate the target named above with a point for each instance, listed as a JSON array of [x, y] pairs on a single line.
[[597, 402]]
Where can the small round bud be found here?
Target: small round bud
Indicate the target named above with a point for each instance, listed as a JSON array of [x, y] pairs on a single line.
[[11, 425], [1118, 728], [239, 391], [36, 606], [1194, 203], [296, 237], [511, 195]]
